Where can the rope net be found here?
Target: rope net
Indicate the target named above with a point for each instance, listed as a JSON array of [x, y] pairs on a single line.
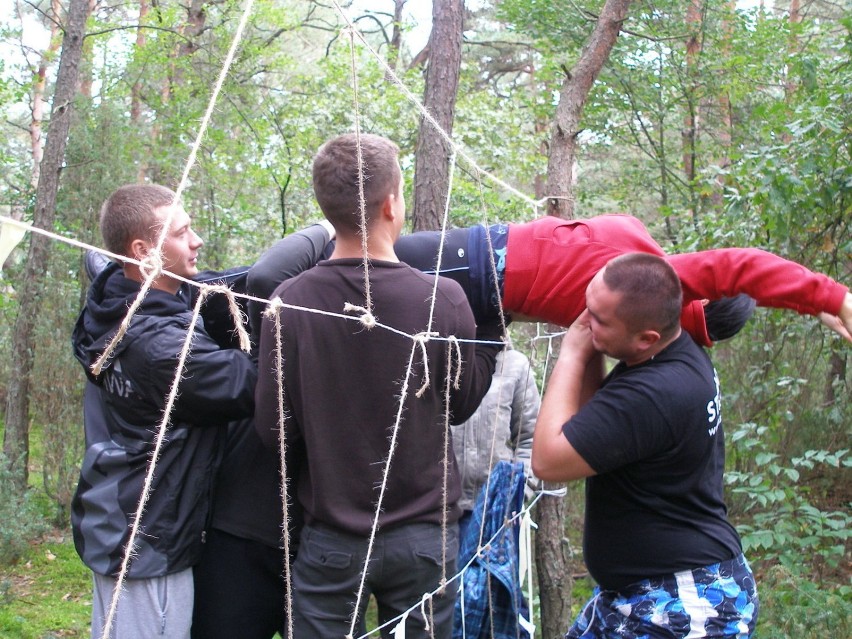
[[152, 268]]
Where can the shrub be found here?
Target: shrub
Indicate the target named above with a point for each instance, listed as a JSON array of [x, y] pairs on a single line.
[[21, 520]]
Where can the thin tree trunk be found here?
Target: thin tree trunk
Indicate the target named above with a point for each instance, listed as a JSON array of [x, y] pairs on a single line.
[[690, 121], [572, 99], [836, 374], [86, 81], [552, 558], [790, 85], [16, 439], [191, 30], [431, 164], [396, 37], [39, 85], [726, 123], [136, 89]]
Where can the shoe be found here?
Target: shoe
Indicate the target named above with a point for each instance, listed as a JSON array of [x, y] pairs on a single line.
[[94, 263]]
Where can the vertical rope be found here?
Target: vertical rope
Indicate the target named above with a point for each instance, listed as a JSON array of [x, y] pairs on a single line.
[[362, 203], [146, 488], [274, 311], [446, 465]]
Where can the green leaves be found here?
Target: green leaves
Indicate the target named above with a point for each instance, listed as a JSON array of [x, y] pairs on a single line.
[[780, 521]]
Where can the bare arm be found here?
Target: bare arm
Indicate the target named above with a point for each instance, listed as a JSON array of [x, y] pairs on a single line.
[[575, 377]]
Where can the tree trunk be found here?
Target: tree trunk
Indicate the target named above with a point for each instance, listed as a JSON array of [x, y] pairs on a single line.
[[572, 99], [834, 378], [553, 565], [690, 121], [396, 37], [791, 85], [431, 164], [136, 89], [39, 85], [86, 80], [16, 439], [726, 121], [552, 558]]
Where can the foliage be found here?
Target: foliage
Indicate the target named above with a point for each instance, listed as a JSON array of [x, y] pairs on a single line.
[[47, 596], [772, 170], [784, 525], [20, 518], [792, 607]]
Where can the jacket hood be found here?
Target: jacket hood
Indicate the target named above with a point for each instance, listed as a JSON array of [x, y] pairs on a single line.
[[107, 301]]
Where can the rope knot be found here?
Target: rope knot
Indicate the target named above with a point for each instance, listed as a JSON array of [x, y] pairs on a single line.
[[151, 266], [274, 307], [421, 339], [239, 318], [367, 318]]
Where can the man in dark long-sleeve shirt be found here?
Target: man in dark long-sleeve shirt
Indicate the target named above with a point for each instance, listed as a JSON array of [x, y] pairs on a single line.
[[343, 384]]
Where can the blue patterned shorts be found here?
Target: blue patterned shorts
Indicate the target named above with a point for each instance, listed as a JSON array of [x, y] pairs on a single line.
[[714, 601]]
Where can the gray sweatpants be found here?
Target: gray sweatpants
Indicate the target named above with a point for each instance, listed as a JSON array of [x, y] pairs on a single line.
[[155, 607]]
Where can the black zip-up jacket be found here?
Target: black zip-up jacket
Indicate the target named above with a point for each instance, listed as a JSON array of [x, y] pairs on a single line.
[[123, 407]]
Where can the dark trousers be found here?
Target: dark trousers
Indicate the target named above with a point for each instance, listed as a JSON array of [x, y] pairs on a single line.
[[239, 590], [405, 564]]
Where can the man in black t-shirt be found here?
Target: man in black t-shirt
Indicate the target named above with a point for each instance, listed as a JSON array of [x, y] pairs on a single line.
[[650, 444]]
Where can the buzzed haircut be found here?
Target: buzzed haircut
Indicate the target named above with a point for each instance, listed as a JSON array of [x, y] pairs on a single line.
[[651, 292], [335, 178], [128, 214]]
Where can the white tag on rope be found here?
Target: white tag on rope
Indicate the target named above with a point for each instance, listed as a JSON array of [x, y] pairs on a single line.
[[10, 236], [526, 569], [527, 625], [461, 604], [525, 548], [399, 631]]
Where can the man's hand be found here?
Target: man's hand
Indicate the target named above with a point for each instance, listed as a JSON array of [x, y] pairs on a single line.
[[842, 322], [577, 342]]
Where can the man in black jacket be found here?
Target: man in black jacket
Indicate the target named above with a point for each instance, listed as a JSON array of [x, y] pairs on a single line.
[[123, 407]]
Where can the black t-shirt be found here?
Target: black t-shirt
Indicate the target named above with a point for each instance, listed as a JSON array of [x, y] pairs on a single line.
[[653, 434]]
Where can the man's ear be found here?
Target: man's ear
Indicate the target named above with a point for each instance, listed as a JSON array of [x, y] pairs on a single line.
[[387, 206], [139, 249], [647, 339]]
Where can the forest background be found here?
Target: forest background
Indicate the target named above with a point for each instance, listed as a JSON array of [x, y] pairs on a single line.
[[717, 123]]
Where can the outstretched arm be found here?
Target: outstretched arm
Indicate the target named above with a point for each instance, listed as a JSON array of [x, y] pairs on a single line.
[[286, 258], [771, 280]]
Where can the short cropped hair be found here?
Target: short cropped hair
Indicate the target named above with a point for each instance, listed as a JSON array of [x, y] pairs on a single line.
[[128, 214], [726, 316], [335, 177], [651, 292]]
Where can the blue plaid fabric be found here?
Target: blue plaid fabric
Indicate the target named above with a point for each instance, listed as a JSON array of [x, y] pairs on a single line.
[[715, 601], [490, 594]]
